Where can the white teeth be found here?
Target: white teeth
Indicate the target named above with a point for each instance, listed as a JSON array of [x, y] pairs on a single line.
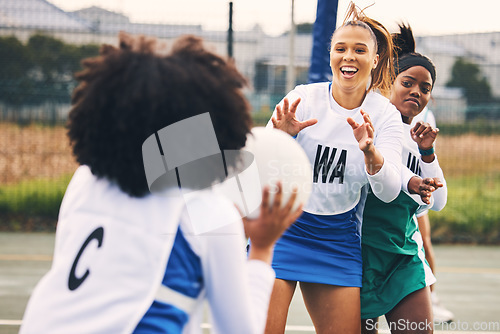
[[348, 69]]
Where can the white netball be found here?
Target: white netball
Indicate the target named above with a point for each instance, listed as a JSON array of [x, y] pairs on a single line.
[[280, 158]]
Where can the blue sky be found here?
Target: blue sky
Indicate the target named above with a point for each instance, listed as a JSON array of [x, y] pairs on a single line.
[[427, 17]]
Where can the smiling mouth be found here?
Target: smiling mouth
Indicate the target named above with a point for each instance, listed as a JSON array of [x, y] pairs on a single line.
[[348, 71]]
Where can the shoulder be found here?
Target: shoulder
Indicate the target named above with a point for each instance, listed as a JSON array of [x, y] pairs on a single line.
[[83, 188], [313, 88], [376, 100], [425, 115], [380, 107], [209, 211], [311, 96]]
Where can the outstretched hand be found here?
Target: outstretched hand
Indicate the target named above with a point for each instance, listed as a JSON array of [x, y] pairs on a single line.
[[273, 221], [424, 187], [364, 133], [424, 135], [286, 119]]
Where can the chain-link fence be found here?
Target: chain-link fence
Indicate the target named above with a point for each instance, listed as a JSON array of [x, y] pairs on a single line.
[[41, 46]]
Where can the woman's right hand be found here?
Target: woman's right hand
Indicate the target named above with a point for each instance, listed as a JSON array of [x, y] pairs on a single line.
[[286, 119]]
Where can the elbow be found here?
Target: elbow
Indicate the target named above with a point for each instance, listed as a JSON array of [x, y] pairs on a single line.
[[388, 192], [440, 199], [388, 185], [439, 205]]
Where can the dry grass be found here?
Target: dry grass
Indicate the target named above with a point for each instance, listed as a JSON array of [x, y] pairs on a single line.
[[43, 152], [469, 155], [33, 152]]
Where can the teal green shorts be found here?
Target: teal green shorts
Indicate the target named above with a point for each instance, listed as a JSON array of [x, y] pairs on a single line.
[[390, 277]]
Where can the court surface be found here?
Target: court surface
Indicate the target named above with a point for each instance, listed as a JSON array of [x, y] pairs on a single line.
[[468, 284]]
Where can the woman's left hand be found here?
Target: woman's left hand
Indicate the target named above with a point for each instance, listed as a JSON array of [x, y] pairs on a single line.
[[424, 187]]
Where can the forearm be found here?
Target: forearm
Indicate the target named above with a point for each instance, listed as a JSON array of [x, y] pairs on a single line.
[[386, 183], [406, 176], [386, 179], [373, 160], [433, 169], [385, 161], [238, 289]]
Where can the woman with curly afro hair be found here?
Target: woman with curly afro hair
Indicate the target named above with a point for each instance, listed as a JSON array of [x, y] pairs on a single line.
[[127, 260]]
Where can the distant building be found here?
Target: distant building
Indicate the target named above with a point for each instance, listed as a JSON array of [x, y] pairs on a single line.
[[482, 49], [261, 58], [448, 105], [23, 17]]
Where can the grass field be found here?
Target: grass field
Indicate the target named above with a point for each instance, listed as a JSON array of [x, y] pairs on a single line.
[[471, 166], [36, 164]]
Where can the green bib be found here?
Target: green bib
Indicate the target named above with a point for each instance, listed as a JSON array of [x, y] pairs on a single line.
[[389, 226]]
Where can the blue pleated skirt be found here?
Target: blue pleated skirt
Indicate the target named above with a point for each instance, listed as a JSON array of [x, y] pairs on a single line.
[[321, 249]]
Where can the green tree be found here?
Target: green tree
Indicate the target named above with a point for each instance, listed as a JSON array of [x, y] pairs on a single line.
[[302, 29], [54, 64], [15, 64], [467, 75], [40, 70], [305, 28]]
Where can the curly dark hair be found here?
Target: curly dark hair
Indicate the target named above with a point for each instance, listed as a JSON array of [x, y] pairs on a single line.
[[127, 93]]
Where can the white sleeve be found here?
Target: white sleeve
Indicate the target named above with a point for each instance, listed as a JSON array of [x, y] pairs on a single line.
[[426, 116], [386, 183], [434, 170], [238, 291], [431, 119], [406, 175]]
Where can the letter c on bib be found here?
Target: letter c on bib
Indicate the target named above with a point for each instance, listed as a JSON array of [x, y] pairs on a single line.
[[73, 281]]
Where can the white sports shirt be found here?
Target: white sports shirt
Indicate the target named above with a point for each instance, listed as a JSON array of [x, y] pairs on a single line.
[[339, 172], [111, 253], [416, 166]]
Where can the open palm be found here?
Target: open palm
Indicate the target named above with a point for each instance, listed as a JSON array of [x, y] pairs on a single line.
[[364, 133], [286, 119]]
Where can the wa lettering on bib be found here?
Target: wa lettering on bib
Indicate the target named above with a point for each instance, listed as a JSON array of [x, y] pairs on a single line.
[[323, 164]]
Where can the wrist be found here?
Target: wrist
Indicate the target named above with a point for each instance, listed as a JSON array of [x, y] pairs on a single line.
[[414, 184], [264, 254], [427, 151], [373, 161]]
